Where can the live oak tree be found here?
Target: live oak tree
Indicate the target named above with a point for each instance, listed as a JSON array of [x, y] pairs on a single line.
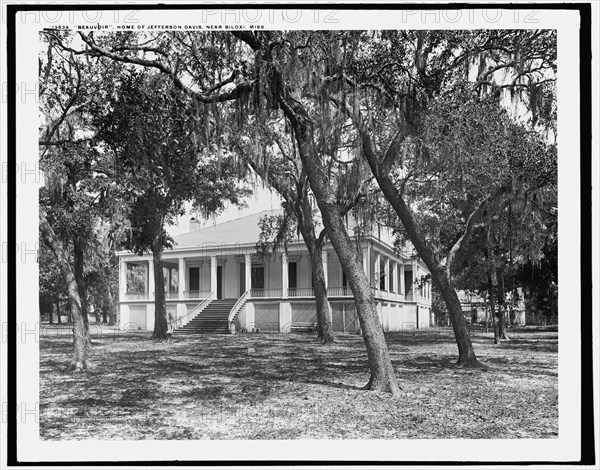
[[274, 161], [257, 74], [274, 60], [162, 162], [70, 200], [381, 83], [386, 81]]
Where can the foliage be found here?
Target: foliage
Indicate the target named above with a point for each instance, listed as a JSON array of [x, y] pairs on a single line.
[[276, 231], [160, 162], [52, 286]]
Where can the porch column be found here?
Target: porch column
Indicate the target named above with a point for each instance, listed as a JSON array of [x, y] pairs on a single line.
[[181, 278], [213, 275], [150, 282], [396, 280], [122, 279], [415, 268], [248, 273], [284, 275], [378, 274], [402, 286], [324, 256], [387, 275]]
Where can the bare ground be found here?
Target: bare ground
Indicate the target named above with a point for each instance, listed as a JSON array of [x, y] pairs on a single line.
[[216, 387]]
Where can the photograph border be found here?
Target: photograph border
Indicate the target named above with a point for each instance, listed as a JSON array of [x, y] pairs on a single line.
[[585, 86]]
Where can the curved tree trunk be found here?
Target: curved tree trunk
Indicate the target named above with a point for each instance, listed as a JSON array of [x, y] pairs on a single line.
[[439, 274], [80, 335], [314, 246], [324, 319], [382, 373], [160, 309]]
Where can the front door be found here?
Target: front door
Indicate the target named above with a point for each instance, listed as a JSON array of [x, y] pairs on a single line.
[[194, 279], [219, 282]]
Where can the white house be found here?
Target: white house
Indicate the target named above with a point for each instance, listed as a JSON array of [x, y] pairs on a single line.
[[215, 275]]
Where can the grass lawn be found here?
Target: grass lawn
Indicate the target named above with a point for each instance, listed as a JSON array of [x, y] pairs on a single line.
[[213, 387]]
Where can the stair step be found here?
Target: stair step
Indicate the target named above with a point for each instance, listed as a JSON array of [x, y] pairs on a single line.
[[213, 319]]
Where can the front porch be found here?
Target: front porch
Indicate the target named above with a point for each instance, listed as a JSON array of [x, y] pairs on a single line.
[[274, 293]]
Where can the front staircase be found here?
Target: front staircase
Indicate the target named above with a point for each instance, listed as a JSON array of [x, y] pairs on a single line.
[[213, 319]]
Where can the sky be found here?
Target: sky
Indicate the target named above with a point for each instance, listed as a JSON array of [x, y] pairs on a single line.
[[262, 199]]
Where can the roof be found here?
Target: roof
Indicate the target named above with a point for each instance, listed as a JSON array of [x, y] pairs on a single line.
[[244, 230]]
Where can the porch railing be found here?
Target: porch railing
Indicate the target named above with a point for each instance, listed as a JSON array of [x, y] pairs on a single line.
[[170, 295], [237, 307], [136, 295], [196, 294], [344, 291], [265, 293], [301, 292], [184, 320]]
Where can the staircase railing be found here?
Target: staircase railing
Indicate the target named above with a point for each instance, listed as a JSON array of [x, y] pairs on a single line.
[[184, 320], [237, 307]]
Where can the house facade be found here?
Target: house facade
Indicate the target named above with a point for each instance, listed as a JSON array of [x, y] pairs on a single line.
[[269, 293]]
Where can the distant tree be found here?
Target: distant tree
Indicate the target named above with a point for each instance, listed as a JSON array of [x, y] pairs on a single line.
[[53, 290]]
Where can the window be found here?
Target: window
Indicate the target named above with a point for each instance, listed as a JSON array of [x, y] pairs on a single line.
[[392, 286], [408, 281], [257, 277], [194, 278], [382, 280], [293, 275]]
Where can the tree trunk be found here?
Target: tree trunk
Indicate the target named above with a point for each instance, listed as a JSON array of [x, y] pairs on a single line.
[[466, 354], [105, 314], [324, 320], [502, 311], [112, 310], [382, 373], [314, 246], [79, 256], [439, 274], [160, 309], [497, 338], [80, 335], [51, 318]]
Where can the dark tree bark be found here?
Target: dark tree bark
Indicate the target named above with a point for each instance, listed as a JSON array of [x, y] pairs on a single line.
[[80, 334], [491, 295], [160, 309], [439, 272], [79, 257], [110, 305], [382, 373], [502, 311], [51, 316], [314, 246], [324, 320]]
